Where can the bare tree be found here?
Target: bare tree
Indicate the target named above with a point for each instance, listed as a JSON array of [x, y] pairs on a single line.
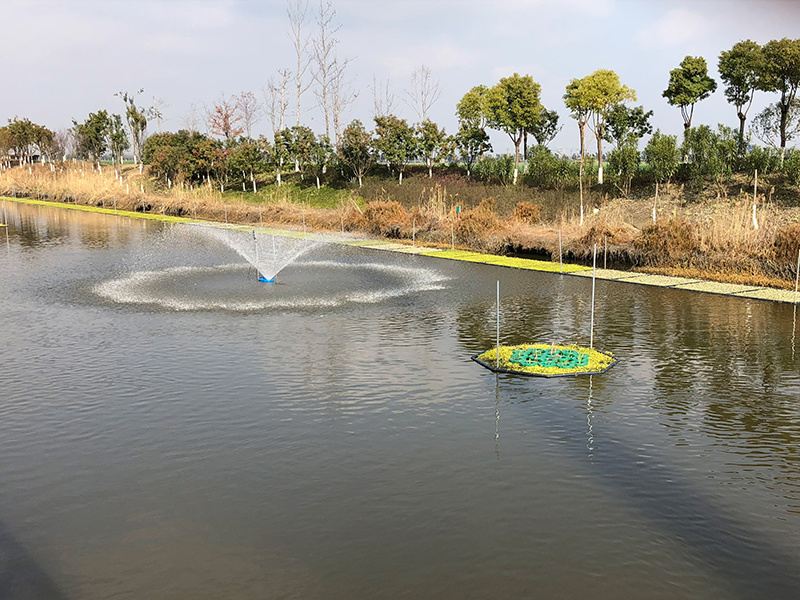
[[157, 110], [383, 99], [325, 61], [277, 100], [342, 96], [424, 92], [64, 143], [223, 119], [191, 121], [296, 10], [250, 110]]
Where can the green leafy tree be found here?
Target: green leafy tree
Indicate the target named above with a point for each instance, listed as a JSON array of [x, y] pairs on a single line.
[[26, 138], [432, 143], [782, 74], [775, 128], [624, 164], [355, 150], [471, 109], [688, 84], [301, 143], [663, 155], [546, 127], [117, 138], [594, 97], [577, 101], [320, 158], [627, 125], [471, 142], [513, 106], [741, 69], [282, 151], [92, 135], [395, 139], [249, 157]]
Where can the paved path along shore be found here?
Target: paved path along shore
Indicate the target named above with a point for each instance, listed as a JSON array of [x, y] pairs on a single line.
[[663, 281]]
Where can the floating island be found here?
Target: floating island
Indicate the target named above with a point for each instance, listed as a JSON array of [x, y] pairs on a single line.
[[546, 360]]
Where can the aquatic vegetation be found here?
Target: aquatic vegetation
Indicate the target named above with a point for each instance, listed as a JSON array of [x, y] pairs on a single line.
[[546, 360]]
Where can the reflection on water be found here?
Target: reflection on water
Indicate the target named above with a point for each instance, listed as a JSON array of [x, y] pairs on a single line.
[[333, 439]]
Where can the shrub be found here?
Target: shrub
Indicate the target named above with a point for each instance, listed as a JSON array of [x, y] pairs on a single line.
[[495, 170], [792, 167], [386, 218], [663, 156], [787, 243], [667, 242], [527, 212], [475, 226], [765, 160]]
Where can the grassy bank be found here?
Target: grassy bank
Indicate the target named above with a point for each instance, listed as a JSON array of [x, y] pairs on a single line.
[[707, 234]]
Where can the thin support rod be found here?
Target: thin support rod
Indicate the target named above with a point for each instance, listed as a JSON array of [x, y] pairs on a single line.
[[594, 272], [497, 361], [797, 277], [560, 254]]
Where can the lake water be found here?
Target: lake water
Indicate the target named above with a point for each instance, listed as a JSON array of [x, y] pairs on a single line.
[[170, 428]]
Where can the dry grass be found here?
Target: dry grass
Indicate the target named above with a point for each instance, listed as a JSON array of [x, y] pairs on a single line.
[[710, 235]]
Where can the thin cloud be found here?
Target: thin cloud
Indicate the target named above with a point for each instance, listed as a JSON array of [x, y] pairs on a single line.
[[677, 27]]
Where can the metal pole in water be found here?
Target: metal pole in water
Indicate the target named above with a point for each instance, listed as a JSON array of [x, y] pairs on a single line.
[[341, 218], [452, 236], [274, 251], [594, 272], [414, 231], [560, 259], [605, 251], [797, 277], [304, 224], [497, 361]]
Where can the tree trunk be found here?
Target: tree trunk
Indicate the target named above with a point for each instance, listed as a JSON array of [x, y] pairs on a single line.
[[318, 186], [516, 162], [278, 176], [359, 180], [430, 169], [400, 178], [599, 157]]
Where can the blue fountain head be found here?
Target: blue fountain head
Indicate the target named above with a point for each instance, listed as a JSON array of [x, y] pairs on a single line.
[[263, 279]]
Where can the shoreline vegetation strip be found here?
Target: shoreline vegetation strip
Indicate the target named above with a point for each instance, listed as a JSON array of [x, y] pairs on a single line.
[[662, 281]]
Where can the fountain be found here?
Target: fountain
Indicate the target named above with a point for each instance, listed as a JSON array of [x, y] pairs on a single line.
[[281, 251]]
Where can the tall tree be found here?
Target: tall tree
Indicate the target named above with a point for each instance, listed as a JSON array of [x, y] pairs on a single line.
[[627, 125], [277, 100], [513, 106], [383, 99], [546, 128], [117, 139], [327, 65], [688, 84], [471, 109], [424, 92], [471, 142], [578, 103], [396, 141], [250, 110], [297, 10], [224, 118], [741, 69], [782, 75], [432, 143], [355, 149], [137, 122], [774, 128], [92, 135]]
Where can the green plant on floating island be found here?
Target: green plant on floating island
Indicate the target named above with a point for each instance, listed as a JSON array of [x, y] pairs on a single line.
[[547, 359]]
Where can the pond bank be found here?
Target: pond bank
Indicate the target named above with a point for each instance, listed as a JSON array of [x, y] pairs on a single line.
[[752, 292]]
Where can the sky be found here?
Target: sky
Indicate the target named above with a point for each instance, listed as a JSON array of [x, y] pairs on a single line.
[[66, 58]]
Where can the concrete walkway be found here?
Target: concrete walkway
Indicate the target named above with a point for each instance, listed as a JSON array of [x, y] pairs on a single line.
[[663, 281]]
